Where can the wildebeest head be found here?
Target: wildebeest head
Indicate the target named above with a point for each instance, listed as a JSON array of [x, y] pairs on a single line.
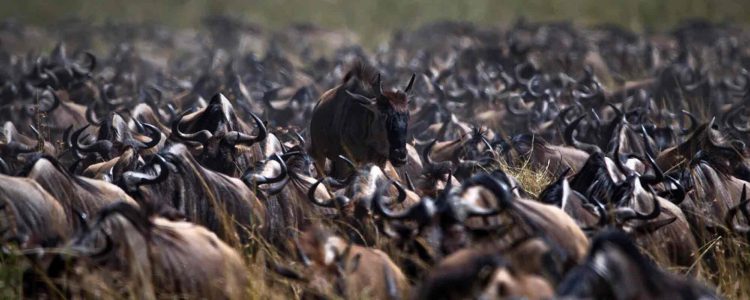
[[391, 110], [615, 269], [218, 130]]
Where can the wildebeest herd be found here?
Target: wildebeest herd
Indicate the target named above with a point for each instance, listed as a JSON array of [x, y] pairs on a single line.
[[145, 162]]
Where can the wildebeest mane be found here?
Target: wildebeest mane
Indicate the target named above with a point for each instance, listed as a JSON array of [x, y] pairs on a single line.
[[131, 213], [26, 170], [443, 284], [363, 79], [629, 249], [206, 197]]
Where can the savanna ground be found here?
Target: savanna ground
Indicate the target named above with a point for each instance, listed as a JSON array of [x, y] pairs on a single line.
[[374, 21]]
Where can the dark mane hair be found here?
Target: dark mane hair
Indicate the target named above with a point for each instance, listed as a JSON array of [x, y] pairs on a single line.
[[364, 74], [398, 100], [26, 170], [365, 83], [594, 178], [623, 243]]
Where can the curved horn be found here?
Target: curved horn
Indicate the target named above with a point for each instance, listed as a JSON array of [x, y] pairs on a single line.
[[155, 136], [600, 210], [254, 179], [329, 203], [619, 158], [435, 169], [108, 246], [411, 82], [512, 109], [628, 213], [571, 140], [733, 122], [138, 125], [238, 138], [134, 179], [290, 154], [502, 192], [91, 116], [693, 122], [102, 147], [420, 212], [676, 195], [300, 139], [729, 220], [75, 137], [618, 113], [201, 136], [92, 64], [658, 173], [603, 216], [401, 191], [92, 60], [563, 115], [530, 86], [278, 187], [349, 179]]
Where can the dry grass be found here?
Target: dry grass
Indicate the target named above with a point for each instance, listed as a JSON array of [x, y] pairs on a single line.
[[533, 181], [11, 275], [728, 268]]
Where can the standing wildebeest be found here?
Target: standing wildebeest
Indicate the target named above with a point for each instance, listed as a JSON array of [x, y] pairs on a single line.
[[358, 119]]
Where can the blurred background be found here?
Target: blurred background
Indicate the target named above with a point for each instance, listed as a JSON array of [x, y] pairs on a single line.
[[373, 19]]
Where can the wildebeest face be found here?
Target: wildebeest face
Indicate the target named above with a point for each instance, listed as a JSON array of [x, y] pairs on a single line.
[[396, 127], [394, 107]]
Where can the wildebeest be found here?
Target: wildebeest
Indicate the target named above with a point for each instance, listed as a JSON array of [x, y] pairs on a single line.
[[223, 204], [32, 217], [615, 269], [493, 116], [75, 193], [358, 119], [481, 273], [350, 270], [151, 257], [216, 130]]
